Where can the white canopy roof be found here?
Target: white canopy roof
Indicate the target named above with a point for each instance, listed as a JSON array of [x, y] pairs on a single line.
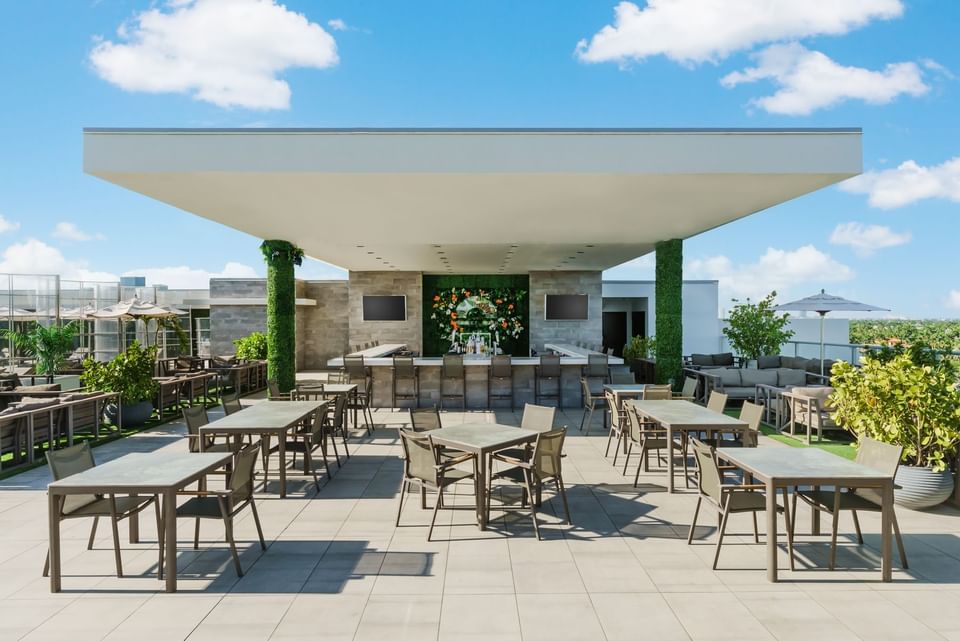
[[473, 200]]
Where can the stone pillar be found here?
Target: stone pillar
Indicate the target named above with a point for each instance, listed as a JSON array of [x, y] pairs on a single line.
[[281, 256], [669, 311]]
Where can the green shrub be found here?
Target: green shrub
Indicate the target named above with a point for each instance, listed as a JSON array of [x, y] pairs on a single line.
[[281, 256], [252, 347], [669, 320], [898, 401], [639, 347], [49, 346], [130, 373], [755, 329]]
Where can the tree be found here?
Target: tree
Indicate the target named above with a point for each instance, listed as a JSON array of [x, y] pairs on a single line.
[[49, 346], [755, 329]]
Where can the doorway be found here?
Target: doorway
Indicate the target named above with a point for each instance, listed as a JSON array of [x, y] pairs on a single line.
[[615, 331]]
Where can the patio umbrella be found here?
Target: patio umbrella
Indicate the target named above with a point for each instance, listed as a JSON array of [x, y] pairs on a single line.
[[823, 303], [135, 309]]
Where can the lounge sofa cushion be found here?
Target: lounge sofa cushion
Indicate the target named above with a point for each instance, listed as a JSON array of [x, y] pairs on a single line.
[[36, 402], [787, 377], [813, 366], [701, 359], [723, 360], [46, 387], [729, 376], [768, 362], [794, 362], [753, 377]]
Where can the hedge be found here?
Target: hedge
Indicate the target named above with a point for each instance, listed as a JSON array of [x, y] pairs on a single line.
[[669, 302], [281, 256]]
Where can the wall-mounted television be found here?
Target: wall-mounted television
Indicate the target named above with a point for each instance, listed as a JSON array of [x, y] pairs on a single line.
[[566, 307], [384, 308]]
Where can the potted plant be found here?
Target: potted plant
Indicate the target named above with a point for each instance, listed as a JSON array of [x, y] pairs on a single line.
[[130, 373], [755, 329], [637, 349], [252, 347], [49, 346], [905, 398]]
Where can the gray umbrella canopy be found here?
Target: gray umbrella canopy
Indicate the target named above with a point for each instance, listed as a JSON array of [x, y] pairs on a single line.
[[823, 303], [135, 309]]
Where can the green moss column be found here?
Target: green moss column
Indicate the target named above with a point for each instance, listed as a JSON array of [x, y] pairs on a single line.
[[281, 256], [669, 322]]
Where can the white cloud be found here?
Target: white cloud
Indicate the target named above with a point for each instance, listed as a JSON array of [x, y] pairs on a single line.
[[8, 225], [777, 269], [908, 183], [226, 52], [36, 257], [809, 80], [312, 269], [337, 24], [867, 239], [69, 231], [696, 31], [642, 268], [953, 299], [184, 277]]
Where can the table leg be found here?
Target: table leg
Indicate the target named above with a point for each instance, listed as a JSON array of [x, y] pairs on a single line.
[[282, 451], [170, 539], [886, 533], [771, 532], [53, 507], [482, 490], [669, 459], [815, 517], [134, 525]]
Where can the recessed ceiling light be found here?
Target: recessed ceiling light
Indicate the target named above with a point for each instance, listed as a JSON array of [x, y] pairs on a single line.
[[359, 246], [589, 245], [370, 252], [579, 251]]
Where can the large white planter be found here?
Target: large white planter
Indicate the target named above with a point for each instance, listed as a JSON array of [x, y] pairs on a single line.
[[922, 488]]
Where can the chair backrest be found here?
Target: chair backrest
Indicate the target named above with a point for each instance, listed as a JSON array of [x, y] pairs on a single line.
[[717, 402], [241, 479], [273, 388], [548, 452], [420, 457], [339, 410], [751, 413], [708, 476], [195, 417], [403, 367], [689, 389], [452, 366], [636, 424], [424, 419], [316, 424], [614, 410], [657, 393], [538, 417], [882, 457], [587, 394], [622, 377], [356, 370], [231, 403], [501, 366], [67, 462], [550, 366], [597, 366]]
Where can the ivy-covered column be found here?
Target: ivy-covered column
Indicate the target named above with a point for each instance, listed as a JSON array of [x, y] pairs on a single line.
[[669, 322], [281, 256]]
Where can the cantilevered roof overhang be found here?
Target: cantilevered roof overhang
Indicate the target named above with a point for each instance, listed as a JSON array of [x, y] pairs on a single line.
[[473, 200]]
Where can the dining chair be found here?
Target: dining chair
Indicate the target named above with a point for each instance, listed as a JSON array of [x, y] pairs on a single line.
[[544, 465], [537, 418], [423, 467], [316, 435], [650, 437], [590, 401], [729, 498], [424, 419], [231, 403], [689, 390], [274, 393], [882, 457], [617, 426], [223, 504], [657, 393], [621, 376], [717, 402], [195, 418], [79, 458]]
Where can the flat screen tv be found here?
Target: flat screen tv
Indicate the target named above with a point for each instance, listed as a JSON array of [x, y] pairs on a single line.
[[566, 307], [384, 308]]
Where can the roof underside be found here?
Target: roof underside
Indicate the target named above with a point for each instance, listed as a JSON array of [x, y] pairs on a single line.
[[473, 201]]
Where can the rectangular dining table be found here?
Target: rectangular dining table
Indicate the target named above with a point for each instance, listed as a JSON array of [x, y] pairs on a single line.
[[783, 467], [156, 473], [265, 419], [682, 417], [624, 391], [322, 390], [482, 439]]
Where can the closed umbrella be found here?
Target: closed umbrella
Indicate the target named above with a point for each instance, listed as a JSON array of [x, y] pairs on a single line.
[[823, 303]]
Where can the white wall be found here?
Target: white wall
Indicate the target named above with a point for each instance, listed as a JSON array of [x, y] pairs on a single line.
[[701, 328]]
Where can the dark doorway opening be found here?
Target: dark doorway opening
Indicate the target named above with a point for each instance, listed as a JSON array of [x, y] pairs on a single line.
[[615, 331]]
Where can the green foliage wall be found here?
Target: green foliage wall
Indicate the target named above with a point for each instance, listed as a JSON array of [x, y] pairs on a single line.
[[281, 256], [436, 345], [669, 321]]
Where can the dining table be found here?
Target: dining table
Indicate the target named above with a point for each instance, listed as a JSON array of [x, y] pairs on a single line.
[[265, 419], [481, 440], [785, 467], [679, 417], [159, 473], [624, 391]]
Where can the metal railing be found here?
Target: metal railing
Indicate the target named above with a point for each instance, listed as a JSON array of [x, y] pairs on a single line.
[[850, 352]]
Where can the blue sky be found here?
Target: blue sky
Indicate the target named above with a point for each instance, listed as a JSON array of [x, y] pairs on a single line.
[[887, 66]]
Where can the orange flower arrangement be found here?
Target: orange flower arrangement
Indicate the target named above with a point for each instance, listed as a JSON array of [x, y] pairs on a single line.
[[436, 298], [453, 315]]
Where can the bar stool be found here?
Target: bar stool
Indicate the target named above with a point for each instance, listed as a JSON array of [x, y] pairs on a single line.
[[549, 370], [452, 370], [405, 370], [359, 374], [598, 367], [501, 369]]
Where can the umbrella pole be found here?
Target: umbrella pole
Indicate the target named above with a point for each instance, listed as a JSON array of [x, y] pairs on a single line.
[[823, 315]]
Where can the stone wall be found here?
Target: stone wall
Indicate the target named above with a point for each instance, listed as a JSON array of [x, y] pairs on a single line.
[[323, 330], [229, 322], [543, 331], [387, 283]]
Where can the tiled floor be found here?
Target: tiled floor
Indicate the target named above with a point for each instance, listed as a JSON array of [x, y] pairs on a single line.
[[337, 568]]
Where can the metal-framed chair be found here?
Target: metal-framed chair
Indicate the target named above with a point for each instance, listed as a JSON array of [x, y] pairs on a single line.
[[501, 370], [78, 458], [590, 401], [452, 371], [618, 425], [717, 402], [231, 403], [405, 370], [315, 435], [598, 366], [549, 370], [650, 437]]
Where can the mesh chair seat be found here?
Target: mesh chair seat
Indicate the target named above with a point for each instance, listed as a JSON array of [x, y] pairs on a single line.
[[848, 500], [101, 506], [201, 507], [748, 501]]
